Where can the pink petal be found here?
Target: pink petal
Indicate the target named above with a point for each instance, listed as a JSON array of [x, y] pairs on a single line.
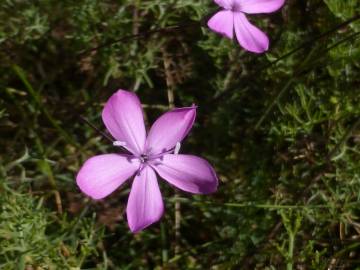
[[250, 37], [123, 117], [145, 205], [101, 175], [169, 129], [226, 4], [259, 6], [189, 173], [223, 23]]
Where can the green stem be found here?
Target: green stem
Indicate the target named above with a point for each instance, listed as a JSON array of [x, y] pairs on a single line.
[[164, 251], [289, 265], [263, 205]]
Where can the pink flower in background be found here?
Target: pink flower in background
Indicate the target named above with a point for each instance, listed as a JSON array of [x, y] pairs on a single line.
[[156, 153], [233, 18]]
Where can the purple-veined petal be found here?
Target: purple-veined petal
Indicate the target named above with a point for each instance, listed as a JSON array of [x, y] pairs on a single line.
[[226, 4], [223, 23], [249, 36], [189, 173], [169, 129], [123, 117], [101, 175], [145, 205], [259, 6]]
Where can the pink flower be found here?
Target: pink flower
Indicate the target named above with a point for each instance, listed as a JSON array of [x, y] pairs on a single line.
[[233, 16], [156, 153]]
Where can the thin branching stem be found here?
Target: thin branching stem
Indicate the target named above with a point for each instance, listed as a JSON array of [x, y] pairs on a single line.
[[310, 42], [101, 133], [171, 28]]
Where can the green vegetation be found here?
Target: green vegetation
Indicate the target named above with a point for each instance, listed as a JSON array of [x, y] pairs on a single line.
[[282, 130]]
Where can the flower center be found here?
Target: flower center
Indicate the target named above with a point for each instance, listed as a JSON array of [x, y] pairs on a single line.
[[235, 6], [147, 156], [144, 158]]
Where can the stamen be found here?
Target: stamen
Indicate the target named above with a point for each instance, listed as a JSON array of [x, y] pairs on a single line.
[[177, 148], [119, 143]]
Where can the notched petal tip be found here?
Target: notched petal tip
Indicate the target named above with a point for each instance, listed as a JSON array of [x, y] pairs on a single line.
[[136, 230], [260, 51], [139, 229], [124, 92], [211, 186]]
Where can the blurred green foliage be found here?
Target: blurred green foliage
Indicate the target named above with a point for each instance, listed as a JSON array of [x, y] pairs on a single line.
[[282, 132]]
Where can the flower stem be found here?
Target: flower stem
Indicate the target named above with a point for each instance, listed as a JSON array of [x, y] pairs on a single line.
[[170, 94], [289, 265]]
